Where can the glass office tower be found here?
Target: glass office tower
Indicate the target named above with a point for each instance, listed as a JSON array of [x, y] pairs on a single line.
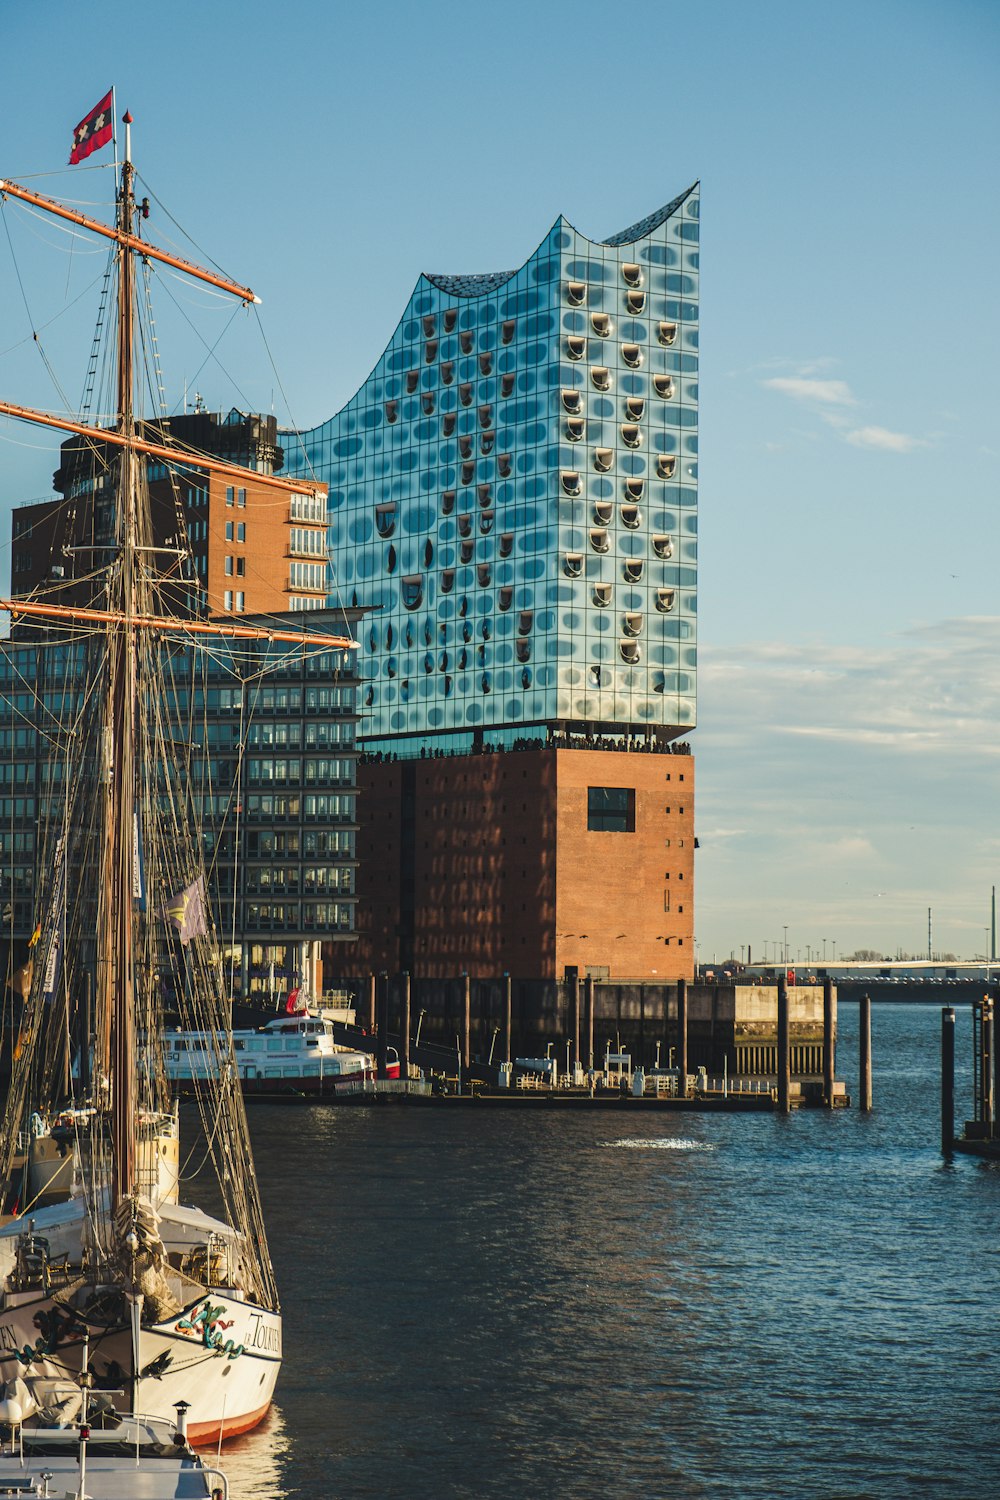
[[514, 492]]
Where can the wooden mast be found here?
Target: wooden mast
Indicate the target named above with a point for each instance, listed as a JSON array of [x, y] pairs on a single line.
[[122, 805]]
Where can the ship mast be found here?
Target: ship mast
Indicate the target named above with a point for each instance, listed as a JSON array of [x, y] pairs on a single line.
[[130, 619], [116, 938]]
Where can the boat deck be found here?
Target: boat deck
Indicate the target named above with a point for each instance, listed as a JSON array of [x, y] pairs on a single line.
[[129, 1461]]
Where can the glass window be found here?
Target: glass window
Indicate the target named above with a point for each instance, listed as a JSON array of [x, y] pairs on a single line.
[[241, 497], [241, 530], [229, 567], [229, 529], [229, 494], [611, 809]]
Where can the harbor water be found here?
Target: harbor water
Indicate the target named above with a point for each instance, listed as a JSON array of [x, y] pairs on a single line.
[[488, 1303]]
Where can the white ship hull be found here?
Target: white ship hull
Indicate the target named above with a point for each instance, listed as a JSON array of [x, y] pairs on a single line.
[[221, 1355]]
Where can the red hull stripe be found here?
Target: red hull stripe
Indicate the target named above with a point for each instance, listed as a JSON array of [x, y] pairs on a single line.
[[200, 1434]]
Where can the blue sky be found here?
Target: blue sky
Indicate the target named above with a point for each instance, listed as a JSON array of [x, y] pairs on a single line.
[[849, 688]]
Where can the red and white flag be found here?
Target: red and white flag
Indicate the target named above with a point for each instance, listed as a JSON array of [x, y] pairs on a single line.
[[94, 131]]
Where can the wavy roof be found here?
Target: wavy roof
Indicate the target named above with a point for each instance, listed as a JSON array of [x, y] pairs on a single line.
[[470, 286], [489, 281], [646, 226]]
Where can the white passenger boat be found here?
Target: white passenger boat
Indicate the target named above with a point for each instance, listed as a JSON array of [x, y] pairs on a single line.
[[291, 1054]]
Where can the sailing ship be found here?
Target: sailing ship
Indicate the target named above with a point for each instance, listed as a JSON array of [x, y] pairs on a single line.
[[104, 1272]]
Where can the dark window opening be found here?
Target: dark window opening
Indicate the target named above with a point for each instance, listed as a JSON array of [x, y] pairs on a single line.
[[611, 809]]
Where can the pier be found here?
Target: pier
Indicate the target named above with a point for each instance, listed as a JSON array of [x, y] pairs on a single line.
[[582, 1043]]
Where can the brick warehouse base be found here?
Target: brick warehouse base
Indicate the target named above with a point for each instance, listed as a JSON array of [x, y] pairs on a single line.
[[527, 861]]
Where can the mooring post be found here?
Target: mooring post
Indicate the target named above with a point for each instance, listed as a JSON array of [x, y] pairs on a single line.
[[784, 1050], [988, 1107], [947, 1079], [505, 1038], [404, 1025], [829, 1042], [382, 1026], [466, 1023], [369, 1020], [865, 1051], [589, 1023], [682, 1038]]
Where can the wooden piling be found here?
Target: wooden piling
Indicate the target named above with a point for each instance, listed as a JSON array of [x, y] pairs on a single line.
[[829, 1042], [382, 1026], [574, 1036], [589, 1022], [682, 1037], [368, 1021], [505, 1029], [466, 1023], [784, 1049], [988, 1109], [947, 1079], [865, 1051], [404, 1025]]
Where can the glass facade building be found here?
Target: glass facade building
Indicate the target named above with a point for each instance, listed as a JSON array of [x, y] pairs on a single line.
[[273, 786], [513, 492]]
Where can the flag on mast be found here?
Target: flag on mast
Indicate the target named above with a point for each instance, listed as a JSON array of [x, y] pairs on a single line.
[[94, 130], [186, 911]]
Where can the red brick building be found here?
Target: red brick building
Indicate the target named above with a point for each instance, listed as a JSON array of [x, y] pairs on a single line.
[[254, 548], [529, 861]]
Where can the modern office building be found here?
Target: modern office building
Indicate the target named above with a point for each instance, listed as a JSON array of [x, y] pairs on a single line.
[[276, 786], [513, 494], [274, 790]]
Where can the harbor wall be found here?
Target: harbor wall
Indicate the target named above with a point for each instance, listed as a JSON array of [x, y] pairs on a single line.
[[732, 1027]]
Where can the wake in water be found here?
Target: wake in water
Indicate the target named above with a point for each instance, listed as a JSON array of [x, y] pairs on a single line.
[[660, 1143]]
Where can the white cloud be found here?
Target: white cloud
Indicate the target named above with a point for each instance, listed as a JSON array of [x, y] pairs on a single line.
[[823, 392], [881, 438], [849, 770]]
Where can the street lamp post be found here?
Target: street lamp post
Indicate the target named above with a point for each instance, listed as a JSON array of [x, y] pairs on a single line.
[[420, 1022], [786, 945]]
